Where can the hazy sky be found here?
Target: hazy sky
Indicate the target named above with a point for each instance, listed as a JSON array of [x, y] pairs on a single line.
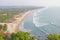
[[30, 2]]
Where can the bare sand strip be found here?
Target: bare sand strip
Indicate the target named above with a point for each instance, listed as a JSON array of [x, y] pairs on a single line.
[[14, 26], [17, 20]]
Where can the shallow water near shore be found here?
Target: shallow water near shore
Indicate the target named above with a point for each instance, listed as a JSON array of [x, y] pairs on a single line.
[[43, 23]]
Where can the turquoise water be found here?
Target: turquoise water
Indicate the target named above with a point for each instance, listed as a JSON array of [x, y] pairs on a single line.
[[44, 22]]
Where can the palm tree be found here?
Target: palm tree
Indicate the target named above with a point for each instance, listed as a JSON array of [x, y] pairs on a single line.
[[5, 27], [13, 35], [26, 36], [1, 36], [0, 27]]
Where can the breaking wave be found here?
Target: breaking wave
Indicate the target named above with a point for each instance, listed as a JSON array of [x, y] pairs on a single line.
[[36, 19]]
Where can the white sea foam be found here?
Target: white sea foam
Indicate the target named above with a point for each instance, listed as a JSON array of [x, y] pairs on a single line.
[[36, 21]]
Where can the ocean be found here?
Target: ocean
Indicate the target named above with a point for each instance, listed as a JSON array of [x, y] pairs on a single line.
[[41, 23]]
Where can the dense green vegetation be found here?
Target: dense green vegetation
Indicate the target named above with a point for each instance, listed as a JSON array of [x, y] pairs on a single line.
[[6, 16], [53, 37], [8, 12], [20, 35], [17, 36]]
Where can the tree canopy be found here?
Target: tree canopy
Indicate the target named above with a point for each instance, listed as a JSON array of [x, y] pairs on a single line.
[[53, 37]]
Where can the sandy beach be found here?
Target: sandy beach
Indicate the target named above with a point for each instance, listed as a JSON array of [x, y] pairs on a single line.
[[16, 21]]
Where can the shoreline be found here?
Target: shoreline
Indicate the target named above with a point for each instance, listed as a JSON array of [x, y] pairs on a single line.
[[14, 26], [17, 20]]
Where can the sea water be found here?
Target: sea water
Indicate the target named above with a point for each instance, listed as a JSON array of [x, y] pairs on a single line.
[[43, 23]]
